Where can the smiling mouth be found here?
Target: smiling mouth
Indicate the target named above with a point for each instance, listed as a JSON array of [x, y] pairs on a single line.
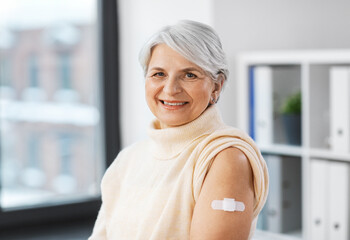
[[173, 103]]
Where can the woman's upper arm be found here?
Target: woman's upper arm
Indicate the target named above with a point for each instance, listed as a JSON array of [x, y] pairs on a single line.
[[230, 176]]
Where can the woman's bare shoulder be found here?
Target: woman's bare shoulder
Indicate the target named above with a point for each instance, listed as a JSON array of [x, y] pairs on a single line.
[[230, 176]]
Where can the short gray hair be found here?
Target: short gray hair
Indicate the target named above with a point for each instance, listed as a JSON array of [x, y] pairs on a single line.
[[197, 42]]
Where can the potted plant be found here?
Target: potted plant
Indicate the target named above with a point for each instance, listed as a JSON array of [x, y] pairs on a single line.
[[291, 117]]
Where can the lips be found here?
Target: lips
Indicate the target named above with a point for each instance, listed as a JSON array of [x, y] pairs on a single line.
[[173, 103]]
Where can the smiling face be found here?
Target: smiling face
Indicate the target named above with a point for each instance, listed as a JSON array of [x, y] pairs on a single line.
[[177, 90]]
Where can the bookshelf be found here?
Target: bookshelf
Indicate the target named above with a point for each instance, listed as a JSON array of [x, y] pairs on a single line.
[[308, 155]]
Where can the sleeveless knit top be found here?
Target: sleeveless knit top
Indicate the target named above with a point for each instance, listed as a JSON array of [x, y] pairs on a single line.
[[150, 190]]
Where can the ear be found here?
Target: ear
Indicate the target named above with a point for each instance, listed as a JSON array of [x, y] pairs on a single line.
[[219, 84], [217, 89]]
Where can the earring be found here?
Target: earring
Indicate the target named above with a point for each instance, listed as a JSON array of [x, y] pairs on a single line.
[[213, 100]]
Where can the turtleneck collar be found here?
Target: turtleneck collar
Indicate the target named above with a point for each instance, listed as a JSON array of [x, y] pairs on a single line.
[[167, 143]]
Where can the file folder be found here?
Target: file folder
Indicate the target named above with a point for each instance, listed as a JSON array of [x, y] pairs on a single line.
[[340, 109], [339, 200], [263, 105], [319, 178]]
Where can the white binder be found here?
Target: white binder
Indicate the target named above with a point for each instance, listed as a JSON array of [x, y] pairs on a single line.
[[330, 200], [339, 201], [340, 109], [263, 105], [319, 199]]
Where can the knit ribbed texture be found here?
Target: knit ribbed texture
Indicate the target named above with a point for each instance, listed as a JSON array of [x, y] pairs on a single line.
[[150, 190]]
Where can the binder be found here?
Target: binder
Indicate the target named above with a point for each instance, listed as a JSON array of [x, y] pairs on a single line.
[[273, 205], [340, 109], [262, 105], [319, 199], [339, 200], [251, 103], [291, 198], [330, 200], [283, 206]]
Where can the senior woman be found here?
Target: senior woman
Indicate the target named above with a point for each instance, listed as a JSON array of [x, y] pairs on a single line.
[[173, 185]]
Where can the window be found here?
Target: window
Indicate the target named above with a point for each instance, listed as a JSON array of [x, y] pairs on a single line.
[[55, 139], [65, 70], [33, 70], [5, 72]]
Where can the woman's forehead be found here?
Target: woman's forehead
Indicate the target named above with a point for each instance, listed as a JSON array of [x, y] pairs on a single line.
[[164, 56]]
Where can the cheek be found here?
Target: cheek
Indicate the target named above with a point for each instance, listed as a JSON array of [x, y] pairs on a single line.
[[151, 89], [202, 92]]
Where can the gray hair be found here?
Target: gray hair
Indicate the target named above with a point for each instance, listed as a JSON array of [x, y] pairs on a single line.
[[197, 42]]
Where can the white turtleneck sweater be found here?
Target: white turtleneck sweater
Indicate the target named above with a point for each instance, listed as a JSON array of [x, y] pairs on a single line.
[[150, 190]]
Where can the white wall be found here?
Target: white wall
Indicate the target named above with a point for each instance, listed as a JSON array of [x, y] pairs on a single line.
[[138, 20], [277, 24]]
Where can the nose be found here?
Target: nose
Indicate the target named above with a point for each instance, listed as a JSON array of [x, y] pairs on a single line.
[[172, 85]]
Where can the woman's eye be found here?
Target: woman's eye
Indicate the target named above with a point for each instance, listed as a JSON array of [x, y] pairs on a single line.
[[191, 75], [159, 74]]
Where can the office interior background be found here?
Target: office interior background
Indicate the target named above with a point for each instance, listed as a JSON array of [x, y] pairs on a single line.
[[72, 93]]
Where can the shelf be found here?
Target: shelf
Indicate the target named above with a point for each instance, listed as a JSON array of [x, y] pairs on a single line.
[[306, 149], [282, 149], [327, 154], [298, 151], [264, 235], [289, 57]]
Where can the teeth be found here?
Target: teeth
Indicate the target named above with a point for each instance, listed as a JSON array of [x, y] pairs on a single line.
[[174, 104]]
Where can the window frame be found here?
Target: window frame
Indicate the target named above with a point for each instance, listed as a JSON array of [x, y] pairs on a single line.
[[109, 74]]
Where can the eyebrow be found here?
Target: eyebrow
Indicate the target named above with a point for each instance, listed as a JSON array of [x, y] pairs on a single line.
[[192, 69], [189, 69], [156, 68]]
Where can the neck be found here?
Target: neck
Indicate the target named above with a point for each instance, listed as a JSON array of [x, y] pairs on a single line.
[[164, 125], [170, 141]]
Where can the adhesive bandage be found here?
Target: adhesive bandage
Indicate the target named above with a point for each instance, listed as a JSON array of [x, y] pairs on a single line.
[[228, 205]]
